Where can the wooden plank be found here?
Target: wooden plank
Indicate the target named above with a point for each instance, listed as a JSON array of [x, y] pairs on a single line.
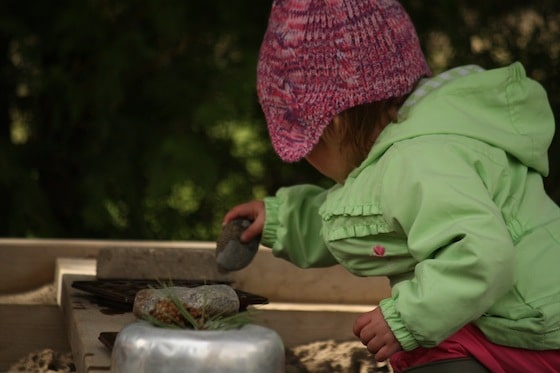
[[281, 281], [29, 264], [28, 328], [84, 321], [302, 327]]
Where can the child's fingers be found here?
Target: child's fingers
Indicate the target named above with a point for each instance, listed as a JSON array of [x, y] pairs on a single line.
[[253, 210], [239, 211], [253, 231], [360, 322]]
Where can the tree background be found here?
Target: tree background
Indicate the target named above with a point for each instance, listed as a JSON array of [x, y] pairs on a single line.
[[139, 119]]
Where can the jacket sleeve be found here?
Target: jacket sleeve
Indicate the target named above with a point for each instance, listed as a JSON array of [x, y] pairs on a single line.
[[465, 254], [293, 226]]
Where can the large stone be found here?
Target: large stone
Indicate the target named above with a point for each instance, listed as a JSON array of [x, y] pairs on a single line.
[[160, 263]]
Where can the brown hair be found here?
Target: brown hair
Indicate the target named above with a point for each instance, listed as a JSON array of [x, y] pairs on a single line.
[[360, 126]]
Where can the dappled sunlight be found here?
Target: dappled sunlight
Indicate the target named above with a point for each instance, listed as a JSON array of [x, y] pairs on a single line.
[[439, 51], [117, 210], [519, 31], [20, 127], [184, 197], [144, 121]]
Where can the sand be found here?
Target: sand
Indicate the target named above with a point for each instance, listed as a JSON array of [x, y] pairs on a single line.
[[318, 357]]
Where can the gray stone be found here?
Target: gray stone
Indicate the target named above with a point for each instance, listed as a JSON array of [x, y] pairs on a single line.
[[159, 263], [231, 253]]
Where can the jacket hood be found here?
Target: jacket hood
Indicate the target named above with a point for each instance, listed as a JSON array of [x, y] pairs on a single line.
[[502, 107]]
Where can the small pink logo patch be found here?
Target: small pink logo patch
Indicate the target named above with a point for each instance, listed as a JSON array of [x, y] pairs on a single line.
[[379, 250]]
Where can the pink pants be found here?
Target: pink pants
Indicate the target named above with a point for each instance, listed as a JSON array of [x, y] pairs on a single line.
[[470, 342]]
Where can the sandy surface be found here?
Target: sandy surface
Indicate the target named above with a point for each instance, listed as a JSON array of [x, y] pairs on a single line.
[[43, 295], [46, 360], [332, 356], [318, 357]]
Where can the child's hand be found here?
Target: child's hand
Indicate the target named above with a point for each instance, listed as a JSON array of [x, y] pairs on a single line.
[[253, 211], [375, 334]]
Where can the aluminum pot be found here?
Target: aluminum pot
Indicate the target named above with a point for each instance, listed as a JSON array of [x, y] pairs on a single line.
[[143, 348]]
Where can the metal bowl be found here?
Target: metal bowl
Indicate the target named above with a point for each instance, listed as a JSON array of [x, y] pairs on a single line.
[[143, 348]]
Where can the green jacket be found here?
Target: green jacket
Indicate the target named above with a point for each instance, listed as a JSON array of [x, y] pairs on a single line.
[[450, 206]]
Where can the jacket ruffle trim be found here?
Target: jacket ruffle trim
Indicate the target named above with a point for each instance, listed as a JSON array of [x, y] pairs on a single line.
[[353, 221]]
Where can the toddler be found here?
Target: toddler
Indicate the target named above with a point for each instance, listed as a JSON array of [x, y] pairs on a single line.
[[438, 186]]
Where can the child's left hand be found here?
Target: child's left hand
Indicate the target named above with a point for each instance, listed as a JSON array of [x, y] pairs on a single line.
[[375, 334]]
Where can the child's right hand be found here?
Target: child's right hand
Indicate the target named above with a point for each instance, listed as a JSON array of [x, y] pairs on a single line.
[[376, 335], [253, 211]]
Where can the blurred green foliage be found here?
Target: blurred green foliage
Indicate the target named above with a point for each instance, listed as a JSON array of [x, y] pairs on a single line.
[[139, 119]]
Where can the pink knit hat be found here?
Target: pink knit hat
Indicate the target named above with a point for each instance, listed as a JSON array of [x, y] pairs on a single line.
[[321, 57]]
